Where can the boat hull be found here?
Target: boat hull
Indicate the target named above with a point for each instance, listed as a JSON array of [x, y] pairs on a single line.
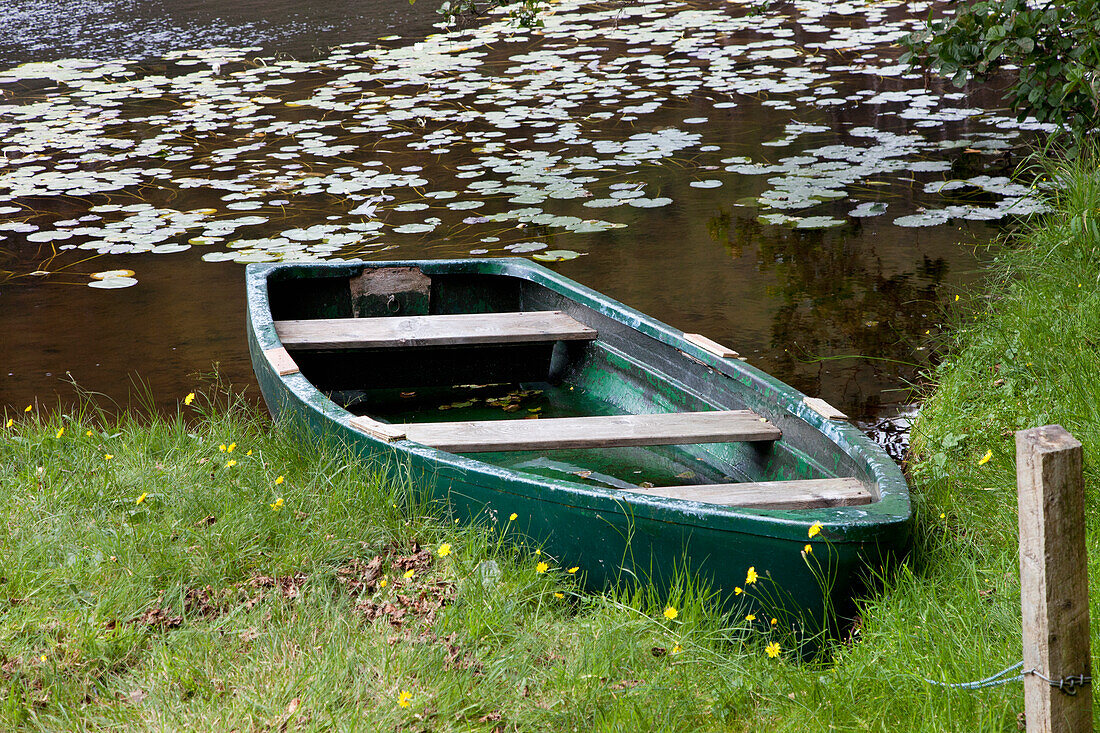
[[617, 537]]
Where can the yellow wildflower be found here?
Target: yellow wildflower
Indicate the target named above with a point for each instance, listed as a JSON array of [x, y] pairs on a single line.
[[189, 398], [222, 447], [89, 433], [107, 456], [230, 447], [277, 505], [230, 464], [61, 431], [559, 595], [542, 567], [141, 498], [444, 550], [772, 650], [248, 453], [383, 583], [737, 590], [43, 657], [10, 422], [815, 529], [403, 698], [671, 613], [774, 621], [573, 569], [981, 461], [808, 549], [28, 408], [538, 551], [677, 649], [409, 573], [750, 617], [513, 517], [751, 576], [278, 480], [943, 516]]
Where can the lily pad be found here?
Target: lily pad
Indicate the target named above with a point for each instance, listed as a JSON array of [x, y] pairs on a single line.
[[556, 255]]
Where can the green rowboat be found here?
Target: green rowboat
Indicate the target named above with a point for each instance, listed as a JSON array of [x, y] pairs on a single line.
[[621, 445]]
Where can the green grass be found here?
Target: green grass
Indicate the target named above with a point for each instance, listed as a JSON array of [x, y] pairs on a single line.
[[210, 605]]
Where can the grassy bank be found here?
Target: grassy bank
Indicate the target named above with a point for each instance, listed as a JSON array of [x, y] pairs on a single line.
[[1027, 354], [221, 574]]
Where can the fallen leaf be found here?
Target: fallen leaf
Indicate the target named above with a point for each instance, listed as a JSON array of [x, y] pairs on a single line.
[[293, 706]]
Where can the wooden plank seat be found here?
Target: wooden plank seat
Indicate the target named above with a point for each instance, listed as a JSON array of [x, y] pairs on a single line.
[[798, 494], [439, 330], [598, 431]]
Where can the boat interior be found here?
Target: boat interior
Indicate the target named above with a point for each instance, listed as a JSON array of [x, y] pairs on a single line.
[[526, 378]]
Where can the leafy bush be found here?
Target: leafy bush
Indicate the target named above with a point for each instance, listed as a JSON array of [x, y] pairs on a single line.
[[1055, 48]]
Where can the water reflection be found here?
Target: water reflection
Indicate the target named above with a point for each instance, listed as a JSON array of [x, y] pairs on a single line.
[[44, 30], [753, 178]]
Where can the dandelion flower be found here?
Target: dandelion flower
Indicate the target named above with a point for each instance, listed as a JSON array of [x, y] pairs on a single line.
[[61, 431], [189, 398], [383, 583], [229, 448], [808, 549], [230, 464], [409, 573], [278, 480], [538, 551], [542, 567], [43, 657], [89, 433], [943, 516], [403, 698], [277, 505], [10, 422], [141, 498], [751, 576], [737, 590], [774, 621], [750, 617], [559, 595], [28, 408], [985, 459], [444, 550], [248, 453], [677, 649], [671, 613], [772, 650], [815, 529], [107, 456], [222, 447], [513, 517], [573, 570]]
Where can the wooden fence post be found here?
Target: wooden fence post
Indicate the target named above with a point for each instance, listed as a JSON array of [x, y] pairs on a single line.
[[1053, 579]]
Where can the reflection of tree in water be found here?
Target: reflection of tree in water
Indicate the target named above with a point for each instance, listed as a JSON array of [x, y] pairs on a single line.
[[836, 300]]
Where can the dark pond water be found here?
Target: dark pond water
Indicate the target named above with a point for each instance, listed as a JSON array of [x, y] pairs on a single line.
[[775, 181]]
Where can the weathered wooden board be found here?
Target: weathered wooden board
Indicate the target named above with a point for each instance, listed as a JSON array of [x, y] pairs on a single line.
[[281, 361], [443, 330], [709, 345], [370, 426], [600, 431], [799, 494], [390, 291], [823, 408]]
